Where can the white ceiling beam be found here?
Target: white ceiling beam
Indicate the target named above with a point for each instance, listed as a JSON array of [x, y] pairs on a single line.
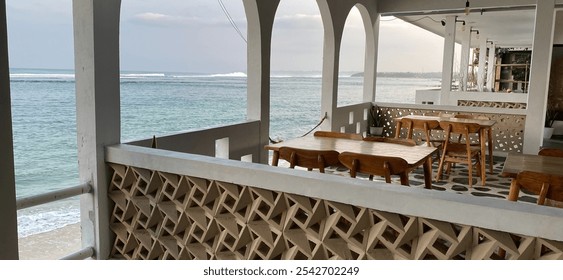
[[417, 6]]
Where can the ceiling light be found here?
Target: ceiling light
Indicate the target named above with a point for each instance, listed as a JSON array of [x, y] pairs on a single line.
[[467, 10], [476, 31], [463, 22]]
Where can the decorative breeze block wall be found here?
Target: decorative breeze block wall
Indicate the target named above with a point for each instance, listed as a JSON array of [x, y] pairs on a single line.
[[158, 215], [508, 132]]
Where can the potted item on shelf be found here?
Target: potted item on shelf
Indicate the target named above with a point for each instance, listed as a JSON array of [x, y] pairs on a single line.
[[376, 125], [550, 117]]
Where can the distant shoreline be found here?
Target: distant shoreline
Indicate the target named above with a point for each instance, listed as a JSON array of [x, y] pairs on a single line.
[[241, 73], [426, 75]]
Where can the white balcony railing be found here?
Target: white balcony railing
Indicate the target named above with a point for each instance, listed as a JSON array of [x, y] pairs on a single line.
[[53, 196], [192, 206]]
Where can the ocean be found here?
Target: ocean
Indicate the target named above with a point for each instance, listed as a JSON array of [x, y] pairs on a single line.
[[155, 103]]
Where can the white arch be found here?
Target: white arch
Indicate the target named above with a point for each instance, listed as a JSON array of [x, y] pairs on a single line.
[[260, 17], [334, 14]]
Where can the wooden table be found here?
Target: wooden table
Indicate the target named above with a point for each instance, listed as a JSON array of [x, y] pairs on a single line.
[[519, 162], [486, 135], [414, 155]]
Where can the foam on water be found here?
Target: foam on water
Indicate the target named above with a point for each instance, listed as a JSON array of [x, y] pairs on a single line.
[[142, 75], [41, 76], [46, 218], [234, 74]]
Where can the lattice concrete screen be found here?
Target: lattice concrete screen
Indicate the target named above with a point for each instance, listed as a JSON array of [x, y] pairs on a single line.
[[159, 215], [508, 132], [492, 104]]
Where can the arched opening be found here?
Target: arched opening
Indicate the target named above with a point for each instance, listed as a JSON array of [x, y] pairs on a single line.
[[179, 59], [409, 59], [352, 57], [41, 56], [296, 63]]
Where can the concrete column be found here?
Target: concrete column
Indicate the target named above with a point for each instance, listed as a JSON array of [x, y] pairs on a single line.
[[333, 15], [370, 17], [260, 17], [448, 60], [96, 52], [464, 63], [482, 63], [491, 67], [539, 75], [8, 212], [333, 24]]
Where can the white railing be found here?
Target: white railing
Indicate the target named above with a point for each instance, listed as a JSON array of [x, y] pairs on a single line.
[[82, 254], [482, 212], [238, 141], [53, 196], [35, 200], [351, 119], [432, 96]]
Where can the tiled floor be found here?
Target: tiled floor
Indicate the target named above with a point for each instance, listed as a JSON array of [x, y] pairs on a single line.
[[457, 182]]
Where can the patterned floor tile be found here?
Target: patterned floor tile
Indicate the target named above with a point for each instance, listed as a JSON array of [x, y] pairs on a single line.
[[496, 186]]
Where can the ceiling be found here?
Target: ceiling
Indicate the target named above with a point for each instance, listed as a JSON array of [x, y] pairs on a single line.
[[507, 28]]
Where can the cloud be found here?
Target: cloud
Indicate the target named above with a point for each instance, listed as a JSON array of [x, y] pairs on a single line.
[[157, 19], [301, 21]]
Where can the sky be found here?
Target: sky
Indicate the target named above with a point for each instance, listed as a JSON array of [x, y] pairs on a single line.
[[196, 36]]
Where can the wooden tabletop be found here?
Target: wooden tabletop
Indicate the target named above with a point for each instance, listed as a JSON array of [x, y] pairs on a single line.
[[519, 162], [412, 154], [482, 123]]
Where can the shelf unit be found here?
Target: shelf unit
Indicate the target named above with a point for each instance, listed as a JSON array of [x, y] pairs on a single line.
[[512, 72], [504, 78]]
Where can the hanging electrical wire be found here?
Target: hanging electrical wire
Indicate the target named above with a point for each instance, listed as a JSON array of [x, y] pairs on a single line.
[[234, 25], [231, 19]]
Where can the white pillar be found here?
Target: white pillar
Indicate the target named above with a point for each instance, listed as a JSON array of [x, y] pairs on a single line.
[[333, 15], [8, 212], [333, 24], [260, 17], [482, 63], [539, 75], [491, 67], [371, 25], [96, 52], [464, 63], [448, 60]]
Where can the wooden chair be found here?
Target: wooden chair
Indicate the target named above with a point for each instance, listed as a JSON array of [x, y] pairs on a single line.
[[342, 135], [400, 141], [424, 126], [463, 153], [551, 152], [310, 159], [376, 165], [489, 132], [549, 188]]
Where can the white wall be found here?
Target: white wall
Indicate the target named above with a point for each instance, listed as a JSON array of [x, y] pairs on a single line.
[[558, 35]]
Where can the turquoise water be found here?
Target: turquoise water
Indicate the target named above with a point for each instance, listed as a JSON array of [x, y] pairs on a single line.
[[44, 120]]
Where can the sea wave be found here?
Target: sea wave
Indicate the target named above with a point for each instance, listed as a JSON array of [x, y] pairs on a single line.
[[143, 75], [42, 76], [220, 75], [35, 221], [234, 74]]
